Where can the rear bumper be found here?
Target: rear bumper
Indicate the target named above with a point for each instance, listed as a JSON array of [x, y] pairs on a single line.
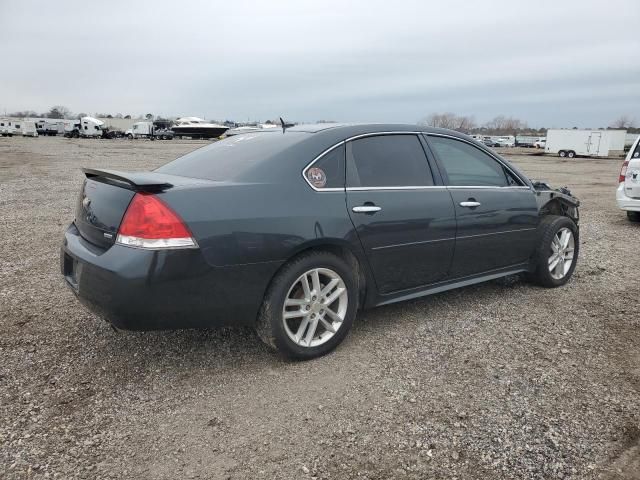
[[626, 203], [136, 289]]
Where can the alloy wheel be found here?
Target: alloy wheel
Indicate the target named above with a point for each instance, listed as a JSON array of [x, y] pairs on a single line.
[[562, 248], [315, 307]]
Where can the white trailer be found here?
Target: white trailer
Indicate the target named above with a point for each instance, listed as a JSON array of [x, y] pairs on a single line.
[[29, 128], [585, 143], [6, 127], [49, 127], [527, 140]]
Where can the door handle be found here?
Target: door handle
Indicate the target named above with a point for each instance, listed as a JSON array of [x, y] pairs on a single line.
[[366, 209], [470, 204]]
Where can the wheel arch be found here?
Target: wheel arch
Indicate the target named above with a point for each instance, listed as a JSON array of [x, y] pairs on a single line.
[[561, 207], [342, 249]]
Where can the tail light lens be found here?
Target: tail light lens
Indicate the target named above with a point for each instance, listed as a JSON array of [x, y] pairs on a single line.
[[623, 171], [151, 223]]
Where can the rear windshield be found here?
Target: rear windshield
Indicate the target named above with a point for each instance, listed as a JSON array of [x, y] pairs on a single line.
[[233, 158]]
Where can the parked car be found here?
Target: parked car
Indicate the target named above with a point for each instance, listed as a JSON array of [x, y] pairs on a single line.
[[503, 142], [540, 143], [628, 192], [489, 142], [294, 232]]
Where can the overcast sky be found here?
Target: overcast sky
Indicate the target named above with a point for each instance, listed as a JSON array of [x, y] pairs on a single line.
[[558, 63]]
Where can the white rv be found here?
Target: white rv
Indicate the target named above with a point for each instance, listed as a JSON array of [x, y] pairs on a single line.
[[10, 127], [29, 128], [49, 127], [585, 143], [6, 127]]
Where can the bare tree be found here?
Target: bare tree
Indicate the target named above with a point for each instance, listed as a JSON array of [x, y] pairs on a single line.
[[465, 124], [624, 122], [59, 111], [24, 114], [450, 120], [502, 125]]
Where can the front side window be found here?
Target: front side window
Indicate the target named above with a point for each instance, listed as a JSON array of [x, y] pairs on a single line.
[[387, 161], [328, 170], [466, 165]]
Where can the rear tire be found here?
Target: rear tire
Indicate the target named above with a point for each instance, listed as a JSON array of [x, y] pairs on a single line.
[[633, 216], [554, 260], [571, 154], [306, 332]]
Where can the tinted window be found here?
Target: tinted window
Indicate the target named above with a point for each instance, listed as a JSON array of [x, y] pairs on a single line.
[[387, 161], [328, 171], [466, 165], [233, 157]]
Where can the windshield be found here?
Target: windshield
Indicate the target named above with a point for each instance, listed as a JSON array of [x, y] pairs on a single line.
[[233, 158]]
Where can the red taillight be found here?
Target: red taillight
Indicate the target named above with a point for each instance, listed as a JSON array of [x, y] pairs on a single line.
[[623, 171], [150, 223]]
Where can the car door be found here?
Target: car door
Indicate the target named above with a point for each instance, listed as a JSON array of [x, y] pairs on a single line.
[[496, 212], [403, 215]]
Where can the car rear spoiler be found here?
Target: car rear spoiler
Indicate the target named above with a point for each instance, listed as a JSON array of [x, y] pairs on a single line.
[[139, 181]]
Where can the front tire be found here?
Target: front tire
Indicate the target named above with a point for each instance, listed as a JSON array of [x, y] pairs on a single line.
[[309, 307], [562, 153], [571, 154], [633, 216], [557, 252]]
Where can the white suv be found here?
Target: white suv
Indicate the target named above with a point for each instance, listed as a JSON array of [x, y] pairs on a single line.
[[628, 193]]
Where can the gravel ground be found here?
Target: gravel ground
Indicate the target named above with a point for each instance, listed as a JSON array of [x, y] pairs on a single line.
[[501, 380]]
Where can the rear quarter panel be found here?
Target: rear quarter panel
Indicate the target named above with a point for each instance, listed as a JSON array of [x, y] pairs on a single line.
[[246, 223]]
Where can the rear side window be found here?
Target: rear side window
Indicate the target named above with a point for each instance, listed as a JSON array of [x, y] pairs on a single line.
[[328, 170], [466, 165], [387, 161], [233, 158]]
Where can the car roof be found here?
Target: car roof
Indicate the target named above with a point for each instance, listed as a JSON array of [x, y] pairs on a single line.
[[342, 131]]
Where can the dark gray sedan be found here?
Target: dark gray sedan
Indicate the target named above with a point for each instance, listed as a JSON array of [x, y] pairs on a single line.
[[294, 231]]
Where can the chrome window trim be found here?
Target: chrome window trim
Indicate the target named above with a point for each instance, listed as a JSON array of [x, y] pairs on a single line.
[[376, 134], [310, 164], [491, 154], [425, 187], [511, 187], [344, 142]]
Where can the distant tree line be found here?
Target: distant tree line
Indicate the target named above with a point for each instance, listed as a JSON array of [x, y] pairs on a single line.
[[503, 125], [62, 112], [500, 125]]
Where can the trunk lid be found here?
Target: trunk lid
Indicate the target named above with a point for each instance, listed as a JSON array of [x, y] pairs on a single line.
[[105, 197], [99, 211]]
